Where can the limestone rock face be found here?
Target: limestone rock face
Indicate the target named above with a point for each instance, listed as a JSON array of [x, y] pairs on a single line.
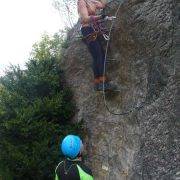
[[143, 143]]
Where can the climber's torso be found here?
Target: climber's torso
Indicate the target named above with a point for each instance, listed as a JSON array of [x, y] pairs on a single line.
[[88, 8]]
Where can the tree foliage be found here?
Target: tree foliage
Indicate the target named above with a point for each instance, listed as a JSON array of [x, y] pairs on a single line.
[[35, 112], [48, 47]]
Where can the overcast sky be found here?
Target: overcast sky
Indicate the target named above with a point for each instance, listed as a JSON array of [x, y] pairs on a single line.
[[22, 22]]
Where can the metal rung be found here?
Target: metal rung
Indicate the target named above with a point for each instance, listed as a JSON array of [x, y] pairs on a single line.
[[112, 60]]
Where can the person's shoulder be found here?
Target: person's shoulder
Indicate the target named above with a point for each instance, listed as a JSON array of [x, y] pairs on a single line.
[[81, 4], [85, 168], [59, 165], [99, 4]]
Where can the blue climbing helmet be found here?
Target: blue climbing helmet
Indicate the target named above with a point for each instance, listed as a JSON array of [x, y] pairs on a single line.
[[71, 146]]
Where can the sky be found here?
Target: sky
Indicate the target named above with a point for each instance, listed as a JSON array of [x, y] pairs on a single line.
[[22, 22]]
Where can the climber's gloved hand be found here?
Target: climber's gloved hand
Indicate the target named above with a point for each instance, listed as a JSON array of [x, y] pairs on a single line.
[[109, 18]]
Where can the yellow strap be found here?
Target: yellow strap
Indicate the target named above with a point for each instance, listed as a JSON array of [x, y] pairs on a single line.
[[56, 177], [92, 36]]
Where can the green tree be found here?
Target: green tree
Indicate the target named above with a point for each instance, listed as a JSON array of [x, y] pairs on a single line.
[[49, 47], [36, 109]]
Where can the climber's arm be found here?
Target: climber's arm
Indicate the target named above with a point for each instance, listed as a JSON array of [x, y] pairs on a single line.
[[101, 4]]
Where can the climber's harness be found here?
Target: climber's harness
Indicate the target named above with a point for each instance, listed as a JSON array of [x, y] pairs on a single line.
[[99, 29], [91, 37]]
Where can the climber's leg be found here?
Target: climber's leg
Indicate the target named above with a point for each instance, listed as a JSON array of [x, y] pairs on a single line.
[[95, 49], [98, 55], [104, 84], [102, 59]]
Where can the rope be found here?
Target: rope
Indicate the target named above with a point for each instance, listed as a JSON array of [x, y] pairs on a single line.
[[104, 72], [100, 29]]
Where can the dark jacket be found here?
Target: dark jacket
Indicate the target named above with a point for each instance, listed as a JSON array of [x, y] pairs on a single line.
[[72, 170]]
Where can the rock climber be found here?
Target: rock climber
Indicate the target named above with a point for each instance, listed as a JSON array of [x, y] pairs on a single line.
[[72, 167], [87, 10]]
